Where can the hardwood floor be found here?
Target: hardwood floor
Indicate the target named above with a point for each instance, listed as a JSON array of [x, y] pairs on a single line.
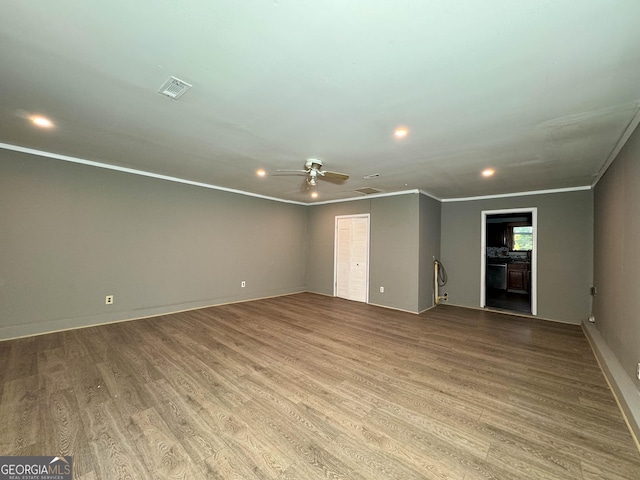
[[306, 387], [515, 302]]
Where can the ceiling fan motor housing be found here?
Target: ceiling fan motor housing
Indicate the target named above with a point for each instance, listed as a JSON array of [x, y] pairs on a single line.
[[313, 164]]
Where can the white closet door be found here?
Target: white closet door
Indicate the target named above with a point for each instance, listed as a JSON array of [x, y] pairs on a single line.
[[352, 257]]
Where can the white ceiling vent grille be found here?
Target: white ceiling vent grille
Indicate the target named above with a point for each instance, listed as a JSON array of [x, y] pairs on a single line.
[[368, 191], [174, 88]]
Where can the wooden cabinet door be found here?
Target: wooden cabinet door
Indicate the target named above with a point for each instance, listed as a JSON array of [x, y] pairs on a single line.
[[496, 235], [516, 279]]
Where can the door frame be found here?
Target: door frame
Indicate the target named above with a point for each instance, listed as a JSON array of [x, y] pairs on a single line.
[[534, 253], [335, 251]]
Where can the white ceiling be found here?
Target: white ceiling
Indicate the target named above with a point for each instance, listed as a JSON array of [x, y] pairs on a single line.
[[542, 91]]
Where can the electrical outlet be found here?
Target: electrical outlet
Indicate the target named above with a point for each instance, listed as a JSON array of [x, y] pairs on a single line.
[[108, 300], [638, 371], [243, 284], [381, 289]]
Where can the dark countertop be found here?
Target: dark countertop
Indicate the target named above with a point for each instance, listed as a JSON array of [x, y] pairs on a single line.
[[502, 260]]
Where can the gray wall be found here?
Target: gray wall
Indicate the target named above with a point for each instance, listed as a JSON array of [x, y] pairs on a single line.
[[71, 234], [321, 236], [394, 252], [617, 257], [565, 251], [393, 248], [429, 233]]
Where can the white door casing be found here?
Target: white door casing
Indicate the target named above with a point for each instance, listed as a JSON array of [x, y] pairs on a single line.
[[534, 253], [351, 257]]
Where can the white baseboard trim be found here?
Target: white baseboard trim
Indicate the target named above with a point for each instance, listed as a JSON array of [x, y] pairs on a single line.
[[512, 313], [376, 304], [397, 309], [63, 325], [427, 309], [623, 388]]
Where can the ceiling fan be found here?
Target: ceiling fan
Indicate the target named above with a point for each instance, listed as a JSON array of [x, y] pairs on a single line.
[[313, 171]]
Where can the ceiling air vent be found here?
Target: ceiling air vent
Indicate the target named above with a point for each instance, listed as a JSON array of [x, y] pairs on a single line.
[[174, 88], [368, 191]]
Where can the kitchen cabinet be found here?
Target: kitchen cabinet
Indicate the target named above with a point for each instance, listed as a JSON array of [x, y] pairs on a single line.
[[502, 235], [496, 235], [518, 277]]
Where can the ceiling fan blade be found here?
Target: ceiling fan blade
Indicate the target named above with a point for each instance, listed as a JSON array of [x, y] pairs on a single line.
[[290, 172], [334, 177]]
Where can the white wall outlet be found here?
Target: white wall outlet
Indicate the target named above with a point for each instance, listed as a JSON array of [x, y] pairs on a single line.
[[638, 371], [381, 289], [108, 300], [243, 284]]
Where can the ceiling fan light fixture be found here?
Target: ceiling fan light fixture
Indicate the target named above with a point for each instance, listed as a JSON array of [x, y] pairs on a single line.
[[313, 172]]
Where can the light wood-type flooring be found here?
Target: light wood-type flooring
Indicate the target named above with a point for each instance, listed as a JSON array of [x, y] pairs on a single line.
[[313, 387]]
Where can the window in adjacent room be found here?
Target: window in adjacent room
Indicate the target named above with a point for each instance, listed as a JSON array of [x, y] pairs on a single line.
[[522, 238]]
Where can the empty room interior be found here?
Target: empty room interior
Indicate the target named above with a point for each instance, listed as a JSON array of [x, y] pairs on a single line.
[[299, 240]]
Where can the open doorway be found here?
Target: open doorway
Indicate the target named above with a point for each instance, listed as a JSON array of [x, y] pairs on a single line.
[[508, 260]]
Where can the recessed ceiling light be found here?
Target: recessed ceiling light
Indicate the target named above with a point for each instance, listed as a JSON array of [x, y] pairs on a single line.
[[261, 172], [314, 194], [487, 172], [400, 132], [41, 121]]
